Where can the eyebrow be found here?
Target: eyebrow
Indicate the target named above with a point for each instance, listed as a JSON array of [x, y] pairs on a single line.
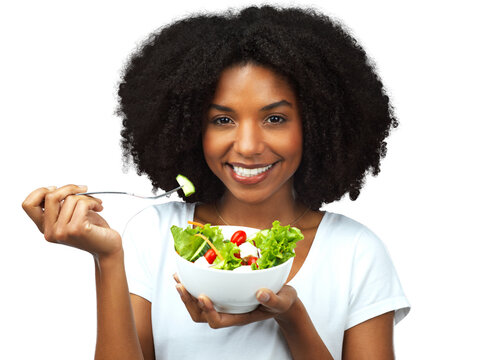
[[265, 108]]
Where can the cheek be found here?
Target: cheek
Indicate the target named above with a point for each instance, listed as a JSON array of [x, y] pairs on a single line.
[[297, 142], [208, 144], [291, 146], [296, 150], [213, 147]]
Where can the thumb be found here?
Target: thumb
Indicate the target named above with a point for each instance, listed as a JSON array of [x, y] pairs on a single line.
[[277, 303]]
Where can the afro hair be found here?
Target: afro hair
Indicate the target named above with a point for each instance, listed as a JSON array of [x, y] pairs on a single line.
[[170, 80]]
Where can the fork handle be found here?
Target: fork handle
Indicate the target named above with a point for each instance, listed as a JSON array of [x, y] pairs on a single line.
[[105, 192], [132, 194]]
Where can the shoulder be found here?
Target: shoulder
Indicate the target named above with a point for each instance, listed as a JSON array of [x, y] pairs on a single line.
[[357, 245], [360, 271], [349, 241], [343, 229], [342, 222]]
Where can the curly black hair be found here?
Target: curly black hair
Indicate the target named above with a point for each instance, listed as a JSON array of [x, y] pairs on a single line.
[[169, 82]]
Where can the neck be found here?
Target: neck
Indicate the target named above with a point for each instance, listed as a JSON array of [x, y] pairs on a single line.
[[282, 207]]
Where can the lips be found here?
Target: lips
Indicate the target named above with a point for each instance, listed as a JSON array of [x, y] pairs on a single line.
[[250, 174], [246, 172]]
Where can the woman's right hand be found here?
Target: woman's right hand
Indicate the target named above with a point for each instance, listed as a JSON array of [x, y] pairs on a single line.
[[73, 220]]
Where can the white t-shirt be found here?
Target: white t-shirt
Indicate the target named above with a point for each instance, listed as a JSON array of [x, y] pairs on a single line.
[[347, 278]]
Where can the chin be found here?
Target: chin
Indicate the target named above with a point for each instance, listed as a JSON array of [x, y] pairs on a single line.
[[254, 196]]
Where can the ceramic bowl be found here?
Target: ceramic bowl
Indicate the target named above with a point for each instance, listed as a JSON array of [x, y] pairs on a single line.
[[231, 291]]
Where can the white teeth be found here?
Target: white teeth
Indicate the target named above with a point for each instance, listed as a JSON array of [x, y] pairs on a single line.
[[250, 172]]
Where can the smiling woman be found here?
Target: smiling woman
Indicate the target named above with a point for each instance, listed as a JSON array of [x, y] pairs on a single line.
[[345, 112], [252, 135], [264, 138]]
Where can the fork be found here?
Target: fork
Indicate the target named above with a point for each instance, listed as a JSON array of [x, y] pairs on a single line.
[[167, 194]]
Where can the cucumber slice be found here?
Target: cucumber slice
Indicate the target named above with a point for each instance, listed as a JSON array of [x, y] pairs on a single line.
[[187, 186], [202, 249]]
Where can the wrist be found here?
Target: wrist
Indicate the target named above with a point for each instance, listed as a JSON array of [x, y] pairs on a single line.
[[105, 261], [291, 316]]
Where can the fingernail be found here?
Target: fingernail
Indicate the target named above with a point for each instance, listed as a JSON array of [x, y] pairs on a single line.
[[51, 188], [83, 187], [201, 302], [263, 296], [179, 289]]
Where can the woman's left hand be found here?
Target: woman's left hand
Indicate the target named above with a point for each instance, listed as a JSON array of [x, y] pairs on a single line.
[[271, 305]]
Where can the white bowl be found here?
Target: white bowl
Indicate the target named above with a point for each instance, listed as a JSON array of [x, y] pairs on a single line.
[[230, 291]]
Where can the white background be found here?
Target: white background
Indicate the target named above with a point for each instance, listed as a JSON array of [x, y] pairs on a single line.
[[60, 64]]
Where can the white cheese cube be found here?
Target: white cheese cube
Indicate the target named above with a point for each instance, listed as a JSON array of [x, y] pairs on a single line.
[[247, 249]]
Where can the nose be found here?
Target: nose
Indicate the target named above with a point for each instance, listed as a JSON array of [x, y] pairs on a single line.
[[249, 139]]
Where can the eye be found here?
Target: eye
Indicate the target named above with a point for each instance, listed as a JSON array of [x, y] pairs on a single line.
[[223, 120], [275, 119]]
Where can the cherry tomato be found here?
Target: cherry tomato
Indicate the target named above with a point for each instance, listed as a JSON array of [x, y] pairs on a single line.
[[210, 255], [251, 260], [239, 237]]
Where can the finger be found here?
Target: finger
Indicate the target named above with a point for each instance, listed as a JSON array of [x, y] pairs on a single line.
[[95, 219], [88, 231], [69, 205], [33, 205], [191, 304], [218, 320], [211, 316], [80, 225], [277, 303], [52, 206], [66, 228], [176, 278]]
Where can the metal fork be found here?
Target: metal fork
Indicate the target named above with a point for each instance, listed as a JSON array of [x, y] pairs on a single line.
[[168, 193]]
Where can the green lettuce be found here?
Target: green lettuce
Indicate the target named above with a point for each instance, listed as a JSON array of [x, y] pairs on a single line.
[[276, 245], [187, 244], [229, 262]]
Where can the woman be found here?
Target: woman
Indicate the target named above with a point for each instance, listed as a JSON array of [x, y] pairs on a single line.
[[271, 113]]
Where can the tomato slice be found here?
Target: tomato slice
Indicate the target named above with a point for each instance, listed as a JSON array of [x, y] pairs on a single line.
[[239, 237], [251, 260], [210, 256]]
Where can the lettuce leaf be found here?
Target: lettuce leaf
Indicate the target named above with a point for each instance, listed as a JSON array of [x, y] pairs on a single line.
[[276, 245], [229, 262], [187, 244]]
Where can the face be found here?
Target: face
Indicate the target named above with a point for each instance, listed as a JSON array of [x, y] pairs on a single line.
[[252, 133]]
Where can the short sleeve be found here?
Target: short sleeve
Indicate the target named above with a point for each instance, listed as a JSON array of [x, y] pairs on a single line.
[[375, 287], [139, 248]]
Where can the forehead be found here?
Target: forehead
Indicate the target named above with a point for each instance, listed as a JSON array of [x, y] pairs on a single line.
[[252, 82]]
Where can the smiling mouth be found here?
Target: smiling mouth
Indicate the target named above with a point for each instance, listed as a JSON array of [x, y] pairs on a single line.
[[245, 172]]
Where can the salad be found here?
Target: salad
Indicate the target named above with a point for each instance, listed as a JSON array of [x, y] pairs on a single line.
[[206, 246]]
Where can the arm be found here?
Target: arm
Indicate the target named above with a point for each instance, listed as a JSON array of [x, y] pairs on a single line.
[[73, 220], [372, 339], [300, 333], [116, 331], [142, 310]]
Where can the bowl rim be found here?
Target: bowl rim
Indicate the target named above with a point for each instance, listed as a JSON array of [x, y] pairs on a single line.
[[286, 263]]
